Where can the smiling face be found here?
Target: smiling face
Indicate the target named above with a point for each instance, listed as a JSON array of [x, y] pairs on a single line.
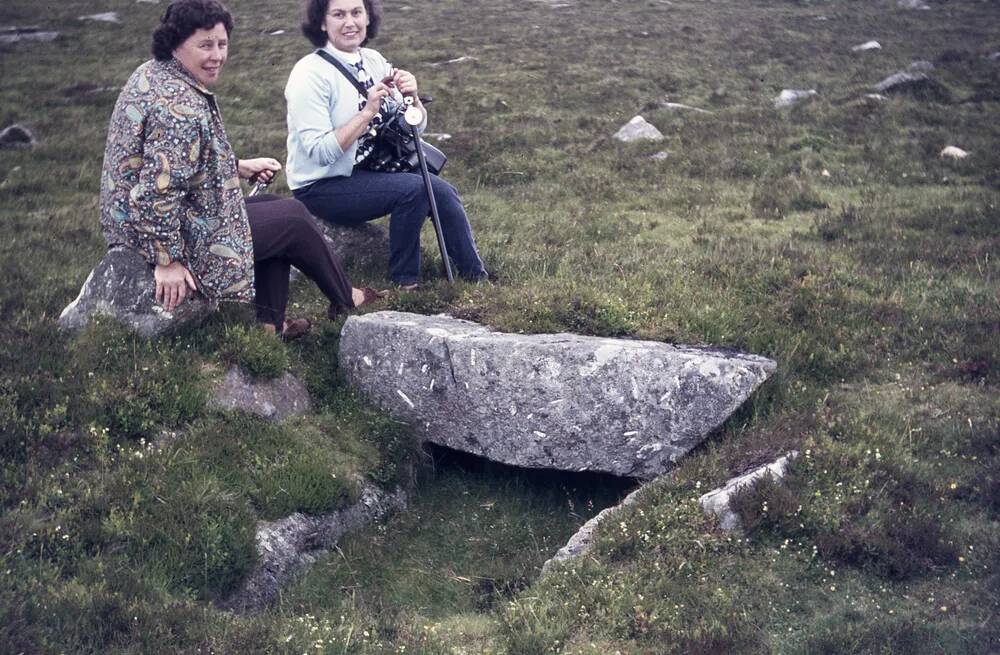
[[346, 24], [204, 53]]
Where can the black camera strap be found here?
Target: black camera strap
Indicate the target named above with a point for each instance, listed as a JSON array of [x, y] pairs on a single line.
[[336, 63]]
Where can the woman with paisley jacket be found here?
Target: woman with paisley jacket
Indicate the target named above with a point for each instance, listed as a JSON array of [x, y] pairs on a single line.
[[170, 186]]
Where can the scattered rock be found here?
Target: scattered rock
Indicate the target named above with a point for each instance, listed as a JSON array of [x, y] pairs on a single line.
[[718, 501], [921, 66], [561, 401], [638, 129], [825, 173], [660, 156], [916, 84], [876, 96], [954, 152], [17, 136], [147, 2], [106, 17], [276, 33], [913, 4], [18, 34], [274, 400], [366, 245], [121, 286], [676, 106], [581, 542], [790, 97], [290, 544], [456, 60], [867, 45]]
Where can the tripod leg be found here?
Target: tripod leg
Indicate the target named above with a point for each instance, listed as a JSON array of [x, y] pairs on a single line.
[[430, 198]]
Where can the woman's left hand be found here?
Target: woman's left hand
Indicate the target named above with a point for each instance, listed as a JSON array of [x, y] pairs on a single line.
[[404, 82], [260, 169]]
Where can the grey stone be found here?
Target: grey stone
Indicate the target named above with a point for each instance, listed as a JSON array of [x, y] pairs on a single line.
[[366, 245], [866, 46], [921, 66], [915, 83], [581, 542], [122, 286], [660, 156], [16, 136], [718, 502], [274, 400], [638, 129], [789, 97], [677, 106], [290, 544], [994, 56], [19, 34], [559, 401], [104, 17], [913, 4]]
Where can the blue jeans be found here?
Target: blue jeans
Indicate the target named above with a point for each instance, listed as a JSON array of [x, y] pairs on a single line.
[[367, 195]]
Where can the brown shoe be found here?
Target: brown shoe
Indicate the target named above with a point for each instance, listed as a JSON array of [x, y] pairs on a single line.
[[295, 328], [371, 295]]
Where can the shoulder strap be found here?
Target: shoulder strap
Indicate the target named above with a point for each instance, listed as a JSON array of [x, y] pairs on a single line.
[[336, 63]]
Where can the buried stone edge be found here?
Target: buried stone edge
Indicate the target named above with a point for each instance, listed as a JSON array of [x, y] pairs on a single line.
[[717, 502], [287, 545]]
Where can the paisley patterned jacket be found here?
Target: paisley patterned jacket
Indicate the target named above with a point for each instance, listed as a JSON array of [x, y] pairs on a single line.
[[169, 186]]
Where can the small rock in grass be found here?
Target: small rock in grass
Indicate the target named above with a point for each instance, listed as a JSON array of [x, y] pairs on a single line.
[[916, 84], [276, 33], [876, 96], [790, 97], [676, 106], [638, 129], [954, 152], [825, 173], [921, 66], [106, 17], [274, 400], [913, 4], [456, 60], [16, 136], [17, 34], [867, 45], [660, 156], [437, 136]]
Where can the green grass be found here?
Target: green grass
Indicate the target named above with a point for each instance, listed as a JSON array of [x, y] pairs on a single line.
[[830, 237]]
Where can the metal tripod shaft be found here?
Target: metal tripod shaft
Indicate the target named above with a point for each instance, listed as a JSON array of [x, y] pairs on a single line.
[[430, 198]]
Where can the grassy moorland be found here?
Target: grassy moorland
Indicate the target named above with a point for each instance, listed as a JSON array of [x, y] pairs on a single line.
[[830, 237]]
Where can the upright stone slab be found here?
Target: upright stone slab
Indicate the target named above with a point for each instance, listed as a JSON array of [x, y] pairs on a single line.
[[558, 401]]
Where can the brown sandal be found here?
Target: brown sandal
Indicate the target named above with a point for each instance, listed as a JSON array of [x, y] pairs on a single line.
[[371, 295], [295, 328]]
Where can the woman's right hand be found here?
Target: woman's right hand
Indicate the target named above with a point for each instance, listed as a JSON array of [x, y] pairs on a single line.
[[172, 282], [375, 96]]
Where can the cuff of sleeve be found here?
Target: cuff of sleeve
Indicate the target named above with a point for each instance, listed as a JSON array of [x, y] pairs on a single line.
[[164, 255]]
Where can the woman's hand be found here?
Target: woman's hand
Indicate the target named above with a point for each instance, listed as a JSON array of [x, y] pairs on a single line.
[[172, 282], [260, 169], [375, 95], [405, 82]]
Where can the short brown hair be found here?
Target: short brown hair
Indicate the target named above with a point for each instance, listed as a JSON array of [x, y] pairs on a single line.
[[315, 15], [182, 19]]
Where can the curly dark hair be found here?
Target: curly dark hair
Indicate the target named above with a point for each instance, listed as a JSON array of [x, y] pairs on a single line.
[[315, 15], [182, 18]]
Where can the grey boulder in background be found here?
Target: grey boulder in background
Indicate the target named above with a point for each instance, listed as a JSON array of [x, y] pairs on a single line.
[[558, 401]]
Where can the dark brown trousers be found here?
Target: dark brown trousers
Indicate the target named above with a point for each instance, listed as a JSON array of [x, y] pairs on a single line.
[[284, 235]]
